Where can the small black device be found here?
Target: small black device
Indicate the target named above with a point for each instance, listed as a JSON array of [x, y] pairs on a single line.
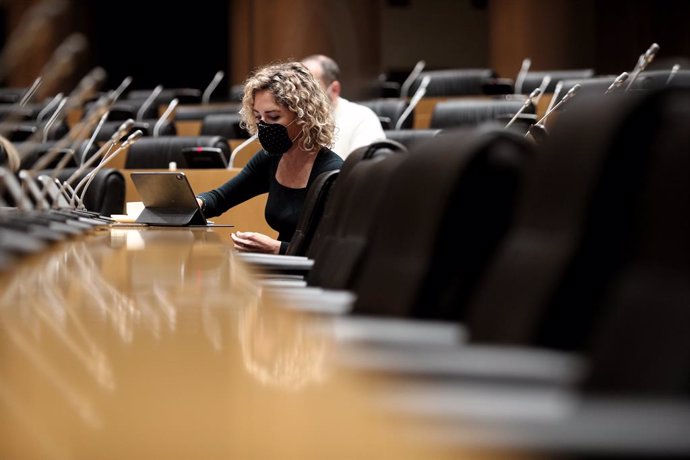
[[204, 157]]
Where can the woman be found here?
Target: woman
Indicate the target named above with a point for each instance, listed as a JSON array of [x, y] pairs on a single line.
[[289, 111]]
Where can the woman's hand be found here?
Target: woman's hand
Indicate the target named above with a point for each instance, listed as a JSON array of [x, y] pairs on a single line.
[[255, 242]]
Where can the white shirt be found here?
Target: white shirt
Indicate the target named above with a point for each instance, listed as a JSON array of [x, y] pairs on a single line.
[[356, 125]]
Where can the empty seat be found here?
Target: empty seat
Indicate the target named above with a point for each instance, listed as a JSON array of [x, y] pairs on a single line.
[[106, 193], [147, 127], [533, 79], [224, 124], [443, 214], [410, 137], [454, 82], [656, 79], [159, 152], [597, 231], [389, 111], [468, 112]]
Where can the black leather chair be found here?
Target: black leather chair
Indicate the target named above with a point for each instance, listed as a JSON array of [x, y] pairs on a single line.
[[350, 217], [595, 85], [33, 152], [389, 111], [657, 79], [159, 152], [454, 82], [147, 127], [223, 124], [312, 212], [199, 112], [533, 79], [444, 212], [106, 193], [411, 137], [469, 112], [601, 219]]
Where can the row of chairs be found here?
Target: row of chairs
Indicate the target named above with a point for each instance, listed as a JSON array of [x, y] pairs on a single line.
[[572, 254]]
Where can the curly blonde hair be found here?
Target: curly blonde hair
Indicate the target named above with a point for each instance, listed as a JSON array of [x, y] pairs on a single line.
[[293, 87]]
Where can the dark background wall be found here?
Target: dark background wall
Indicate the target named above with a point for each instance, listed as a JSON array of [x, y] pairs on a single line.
[[183, 45]]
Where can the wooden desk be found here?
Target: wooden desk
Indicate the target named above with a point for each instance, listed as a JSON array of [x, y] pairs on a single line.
[[154, 343]]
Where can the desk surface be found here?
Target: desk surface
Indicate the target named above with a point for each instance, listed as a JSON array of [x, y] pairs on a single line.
[[154, 343]]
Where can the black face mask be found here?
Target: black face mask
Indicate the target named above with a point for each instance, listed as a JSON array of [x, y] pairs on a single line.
[[274, 137]]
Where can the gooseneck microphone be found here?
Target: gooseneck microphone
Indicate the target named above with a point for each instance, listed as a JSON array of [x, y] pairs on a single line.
[[149, 100], [524, 68], [642, 63], [86, 181], [674, 71], [538, 129], [416, 71], [239, 148], [536, 92], [166, 115], [418, 95], [617, 83], [206, 96], [104, 151]]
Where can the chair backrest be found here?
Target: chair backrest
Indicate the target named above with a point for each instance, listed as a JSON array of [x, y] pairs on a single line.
[[584, 214], [642, 345], [595, 85], [223, 124], [454, 82], [410, 137], [444, 212], [35, 151], [159, 152], [657, 79], [312, 212], [166, 128], [106, 193], [389, 111], [469, 112], [198, 112], [533, 79], [340, 238]]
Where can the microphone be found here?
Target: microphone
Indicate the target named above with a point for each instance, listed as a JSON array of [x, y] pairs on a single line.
[[536, 92], [92, 139], [51, 121], [49, 106], [419, 66], [542, 88], [617, 83], [642, 63], [239, 148], [539, 125], [674, 71], [86, 181], [116, 137], [21, 201], [123, 86], [524, 68], [30, 92], [206, 96], [168, 112], [149, 100], [418, 95]]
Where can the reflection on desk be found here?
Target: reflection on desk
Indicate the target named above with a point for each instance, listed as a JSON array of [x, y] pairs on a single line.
[[156, 343]]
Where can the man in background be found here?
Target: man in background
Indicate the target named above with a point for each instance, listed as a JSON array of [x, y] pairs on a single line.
[[356, 125]]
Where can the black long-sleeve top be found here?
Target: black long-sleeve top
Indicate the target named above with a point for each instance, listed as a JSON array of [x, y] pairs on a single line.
[[284, 204]]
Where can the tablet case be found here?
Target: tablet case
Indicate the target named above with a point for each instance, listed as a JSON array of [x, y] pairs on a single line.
[[168, 199]]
